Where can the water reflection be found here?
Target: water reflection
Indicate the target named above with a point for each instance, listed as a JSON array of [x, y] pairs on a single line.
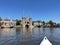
[[23, 33], [6, 32], [23, 36]]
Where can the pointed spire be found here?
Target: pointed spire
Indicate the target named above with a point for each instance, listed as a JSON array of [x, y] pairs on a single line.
[[30, 15], [23, 14], [11, 20]]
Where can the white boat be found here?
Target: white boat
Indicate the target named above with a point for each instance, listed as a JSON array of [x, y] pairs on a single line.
[[45, 41]]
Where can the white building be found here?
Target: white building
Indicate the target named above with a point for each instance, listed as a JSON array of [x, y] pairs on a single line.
[[36, 23], [8, 23]]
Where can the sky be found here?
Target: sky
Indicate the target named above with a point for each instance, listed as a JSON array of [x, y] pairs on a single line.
[[38, 9]]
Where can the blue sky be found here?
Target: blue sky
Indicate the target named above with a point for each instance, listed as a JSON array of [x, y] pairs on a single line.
[[40, 9]]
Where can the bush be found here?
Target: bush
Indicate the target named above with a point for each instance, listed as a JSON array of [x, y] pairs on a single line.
[[18, 22]]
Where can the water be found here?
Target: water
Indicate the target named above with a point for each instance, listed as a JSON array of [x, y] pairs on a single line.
[[18, 36]]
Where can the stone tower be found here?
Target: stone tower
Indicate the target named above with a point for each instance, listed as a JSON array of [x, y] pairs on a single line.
[[30, 22], [23, 22], [26, 22]]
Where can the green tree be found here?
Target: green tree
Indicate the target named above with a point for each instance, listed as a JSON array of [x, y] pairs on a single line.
[[43, 22], [51, 23], [0, 19], [18, 22]]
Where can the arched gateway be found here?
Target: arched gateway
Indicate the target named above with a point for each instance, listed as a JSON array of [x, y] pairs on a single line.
[[26, 22]]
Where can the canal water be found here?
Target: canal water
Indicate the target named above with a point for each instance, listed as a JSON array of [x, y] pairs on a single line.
[[22, 36]]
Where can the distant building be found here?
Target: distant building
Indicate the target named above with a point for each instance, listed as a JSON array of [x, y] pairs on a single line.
[[7, 23], [37, 23]]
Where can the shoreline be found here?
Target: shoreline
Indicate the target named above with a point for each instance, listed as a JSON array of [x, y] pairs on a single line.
[[34, 27]]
